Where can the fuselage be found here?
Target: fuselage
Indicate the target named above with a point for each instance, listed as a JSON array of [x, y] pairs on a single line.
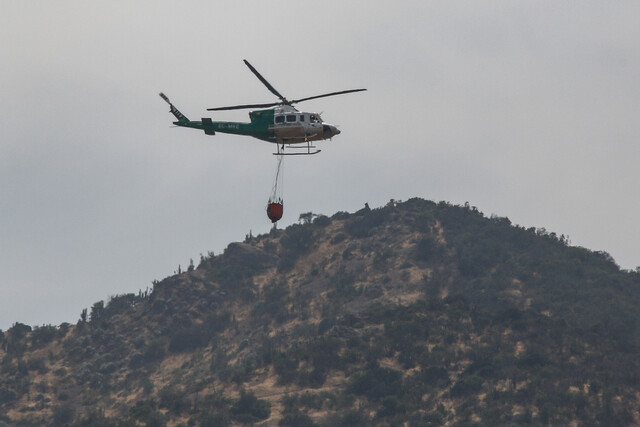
[[281, 125]]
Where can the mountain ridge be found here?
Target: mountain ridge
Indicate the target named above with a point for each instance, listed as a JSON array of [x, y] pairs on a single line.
[[417, 312]]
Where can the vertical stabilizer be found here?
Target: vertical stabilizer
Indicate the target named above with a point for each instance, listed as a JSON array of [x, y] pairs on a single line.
[[182, 119]]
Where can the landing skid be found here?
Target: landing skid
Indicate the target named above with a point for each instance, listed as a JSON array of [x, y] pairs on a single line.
[[308, 148]]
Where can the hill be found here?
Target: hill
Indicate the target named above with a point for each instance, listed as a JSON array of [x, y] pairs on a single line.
[[415, 313]]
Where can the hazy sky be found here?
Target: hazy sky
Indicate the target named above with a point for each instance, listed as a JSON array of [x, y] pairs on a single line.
[[525, 109]]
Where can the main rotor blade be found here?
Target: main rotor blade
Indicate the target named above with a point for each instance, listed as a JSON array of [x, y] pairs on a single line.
[[241, 107], [265, 82], [326, 94]]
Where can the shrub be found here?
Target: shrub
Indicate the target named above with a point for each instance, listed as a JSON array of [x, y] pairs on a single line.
[[381, 258], [376, 382], [436, 374], [136, 361], [325, 325], [154, 351], [285, 366], [338, 238], [37, 364], [142, 408], [354, 418], [296, 240], [391, 406], [43, 335], [208, 419], [296, 419], [96, 418], [466, 386], [363, 225], [322, 220], [18, 331], [121, 303], [63, 414], [427, 249], [249, 408], [173, 400], [324, 353], [155, 419], [7, 395], [97, 309], [189, 339]]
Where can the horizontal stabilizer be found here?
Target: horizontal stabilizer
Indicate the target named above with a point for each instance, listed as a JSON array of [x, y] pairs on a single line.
[[207, 125]]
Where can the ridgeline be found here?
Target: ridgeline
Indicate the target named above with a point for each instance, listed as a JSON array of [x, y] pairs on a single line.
[[415, 313]]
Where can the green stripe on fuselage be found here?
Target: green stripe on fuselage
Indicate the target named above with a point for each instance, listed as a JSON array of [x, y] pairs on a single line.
[[261, 120]]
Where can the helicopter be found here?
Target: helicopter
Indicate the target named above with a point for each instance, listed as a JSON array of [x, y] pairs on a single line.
[[281, 124]]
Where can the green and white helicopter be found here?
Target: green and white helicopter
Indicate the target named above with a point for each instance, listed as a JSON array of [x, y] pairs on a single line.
[[282, 125]]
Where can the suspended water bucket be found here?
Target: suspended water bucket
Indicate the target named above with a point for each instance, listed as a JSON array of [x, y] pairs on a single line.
[[275, 207], [275, 210]]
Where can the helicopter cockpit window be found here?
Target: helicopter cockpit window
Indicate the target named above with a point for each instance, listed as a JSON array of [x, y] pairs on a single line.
[[302, 117], [291, 118], [279, 119], [315, 119]]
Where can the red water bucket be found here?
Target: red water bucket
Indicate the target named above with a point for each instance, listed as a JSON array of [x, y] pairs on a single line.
[[274, 211]]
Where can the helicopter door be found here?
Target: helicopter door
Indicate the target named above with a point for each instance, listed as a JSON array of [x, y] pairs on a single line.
[[315, 124]]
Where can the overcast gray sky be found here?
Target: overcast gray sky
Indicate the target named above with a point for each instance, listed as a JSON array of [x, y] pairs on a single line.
[[524, 109]]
